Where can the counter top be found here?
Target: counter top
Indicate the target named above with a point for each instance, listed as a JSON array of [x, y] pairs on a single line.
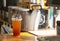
[[25, 36], [45, 32]]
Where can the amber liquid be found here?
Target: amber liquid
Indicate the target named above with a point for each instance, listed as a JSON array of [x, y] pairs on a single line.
[[16, 27]]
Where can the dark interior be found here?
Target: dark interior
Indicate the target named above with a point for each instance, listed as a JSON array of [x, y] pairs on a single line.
[[53, 2]]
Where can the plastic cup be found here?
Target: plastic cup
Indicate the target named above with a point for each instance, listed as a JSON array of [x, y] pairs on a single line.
[[16, 24]]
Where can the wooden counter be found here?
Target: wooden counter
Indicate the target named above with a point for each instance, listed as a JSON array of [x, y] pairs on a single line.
[[25, 36]]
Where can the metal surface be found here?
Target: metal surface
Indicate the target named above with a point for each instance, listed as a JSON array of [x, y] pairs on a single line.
[[51, 38]]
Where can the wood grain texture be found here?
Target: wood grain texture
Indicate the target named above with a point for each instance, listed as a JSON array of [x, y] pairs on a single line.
[[10, 37]]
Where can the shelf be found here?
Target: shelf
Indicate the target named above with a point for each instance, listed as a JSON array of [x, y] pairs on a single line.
[[18, 8]]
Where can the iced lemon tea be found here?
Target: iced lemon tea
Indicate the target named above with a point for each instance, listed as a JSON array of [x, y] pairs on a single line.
[[16, 27]]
